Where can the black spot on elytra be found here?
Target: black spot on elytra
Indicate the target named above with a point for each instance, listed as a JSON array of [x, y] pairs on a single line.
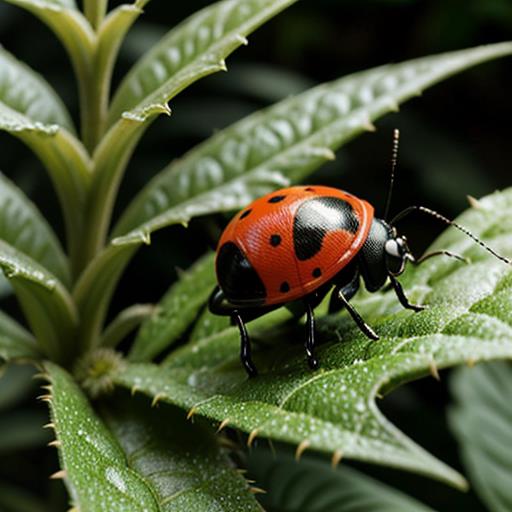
[[276, 199], [285, 287], [317, 272], [237, 277], [317, 216], [244, 214], [275, 240], [309, 189]]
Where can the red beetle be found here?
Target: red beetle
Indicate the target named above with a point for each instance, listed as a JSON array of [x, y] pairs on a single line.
[[298, 244]]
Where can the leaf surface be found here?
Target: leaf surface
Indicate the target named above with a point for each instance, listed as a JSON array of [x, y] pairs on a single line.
[[334, 410], [481, 420], [139, 459], [31, 111], [176, 311], [97, 474], [23, 227], [191, 50], [180, 462], [288, 140], [312, 485], [46, 303], [15, 341]]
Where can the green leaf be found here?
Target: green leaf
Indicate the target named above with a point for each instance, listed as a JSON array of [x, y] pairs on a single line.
[[97, 474], [15, 341], [27, 94], [151, 460], [481, 420], [201, 43], [23, 227], [290, 139], [312, 485], [195, 48], [333, 410], [181, 462], [47, 305], [176, 311], [31, 111], [124, 323]]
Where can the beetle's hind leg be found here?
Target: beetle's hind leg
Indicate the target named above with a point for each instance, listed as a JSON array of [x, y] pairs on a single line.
[[309, 343], [245, 345]]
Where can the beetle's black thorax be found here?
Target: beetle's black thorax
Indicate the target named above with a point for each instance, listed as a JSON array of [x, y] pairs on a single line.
[[372, 256]]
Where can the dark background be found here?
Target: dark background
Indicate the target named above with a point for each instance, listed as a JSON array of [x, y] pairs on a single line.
[[455, 140]]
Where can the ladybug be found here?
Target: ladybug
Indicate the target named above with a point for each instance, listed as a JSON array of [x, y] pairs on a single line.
[[296, 245]]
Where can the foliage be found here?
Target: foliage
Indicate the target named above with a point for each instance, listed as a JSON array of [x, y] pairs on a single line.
[[115, 452]]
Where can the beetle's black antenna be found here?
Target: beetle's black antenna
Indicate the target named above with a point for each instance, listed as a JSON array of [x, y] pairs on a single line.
[[394, 160], [442, 218]]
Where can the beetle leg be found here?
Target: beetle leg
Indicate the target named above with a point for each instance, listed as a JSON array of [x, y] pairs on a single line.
[[402, 297], [310, 336], [356, 316], [245, 345], [348, 290]]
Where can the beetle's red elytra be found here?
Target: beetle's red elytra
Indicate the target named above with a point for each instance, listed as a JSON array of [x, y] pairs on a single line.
[[295, 245], [289, 243]]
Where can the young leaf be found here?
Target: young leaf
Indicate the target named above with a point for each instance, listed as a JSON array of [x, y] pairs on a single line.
[[195, 48], [150, 460], [481, 421], [16, 342], [181, 462], [290, 139], [220, 29], [95, 469], [333, 409], [176, 311], [312, 485], [68, 24], [47, 305], [31, 111], [23, 227]]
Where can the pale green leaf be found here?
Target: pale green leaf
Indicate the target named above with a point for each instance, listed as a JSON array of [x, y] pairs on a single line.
[[97, 474], [181, 462], [333, 410], [31, 111], [15, 341], [201, 42], [195, 48], [47, 305], [176, 311], [25, 93], [290, 139], [481, 420], [23, 227], [311, 485]]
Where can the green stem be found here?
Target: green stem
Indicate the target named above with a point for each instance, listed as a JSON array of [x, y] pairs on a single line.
[[95, 11], [128, 320]]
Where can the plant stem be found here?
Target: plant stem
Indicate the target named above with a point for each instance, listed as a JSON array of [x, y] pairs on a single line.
[[95, 11]]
